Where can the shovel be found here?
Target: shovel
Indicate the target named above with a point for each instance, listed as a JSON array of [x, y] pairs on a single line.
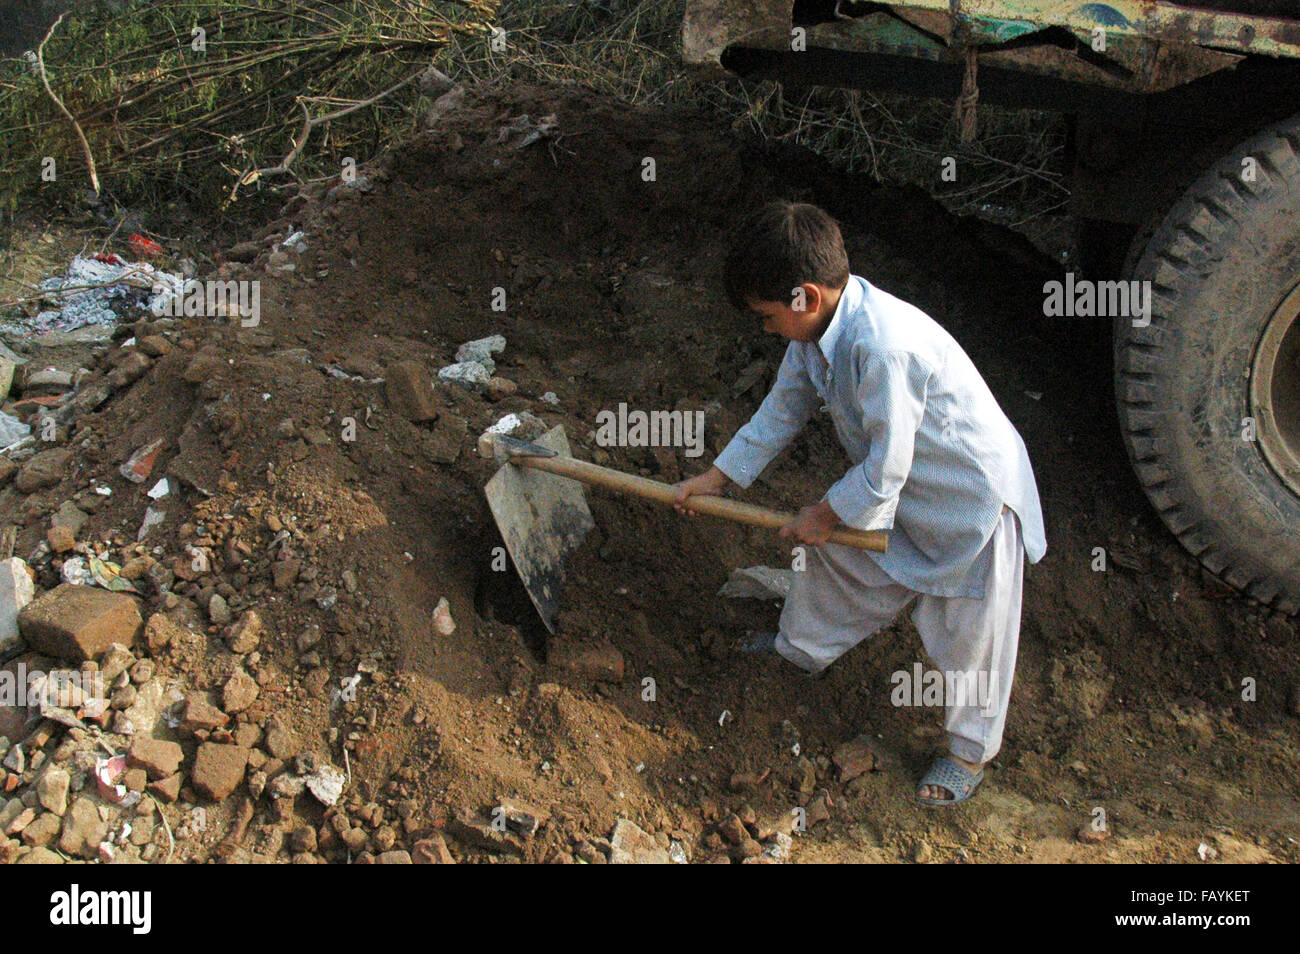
[[542, 520]]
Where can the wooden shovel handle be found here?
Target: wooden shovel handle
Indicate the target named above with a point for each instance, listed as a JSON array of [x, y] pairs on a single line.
[[723, 507]]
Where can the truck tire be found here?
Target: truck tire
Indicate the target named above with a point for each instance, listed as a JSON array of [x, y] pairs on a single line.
[[1209, 392]]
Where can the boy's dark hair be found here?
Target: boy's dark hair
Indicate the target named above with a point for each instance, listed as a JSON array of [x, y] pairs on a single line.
[[780, 246]]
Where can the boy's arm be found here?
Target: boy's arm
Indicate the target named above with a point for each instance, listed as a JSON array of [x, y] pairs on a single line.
[[891, 394], [783, 413]]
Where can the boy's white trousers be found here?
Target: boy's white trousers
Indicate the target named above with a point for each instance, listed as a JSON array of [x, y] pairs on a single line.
[[841, 597]]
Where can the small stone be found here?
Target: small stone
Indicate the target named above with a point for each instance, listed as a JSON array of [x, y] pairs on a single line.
[[431, 851], [481, 349], [522, 818], [52, 789], [856, 757], [284, 573], [498, 388], [631, 845], [394, 858], [589, 853], [469, 374], [308, 638], [240, 692], [25, 818], [199, 714], [70, 516], [40, 856], [326, 783], [154, 345], [819, 809], [130, 369], [142, 829], [218, 610], [83, 829], [42, 831], [46, 381], [443, 623], [123, 698], [60, 539], [42, 470], [140, 464], [142, 672], [16, 760], [246, 633], [158, 757], [303, 838], [136, 567], [281, 741], [409, 389], [167, 790], [733, 829], [218, 769], [159, 632], [116, 661]]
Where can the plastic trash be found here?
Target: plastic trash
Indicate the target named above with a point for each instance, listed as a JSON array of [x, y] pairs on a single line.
[[758, 583], [140, 464], [83, 295], [12, 430]]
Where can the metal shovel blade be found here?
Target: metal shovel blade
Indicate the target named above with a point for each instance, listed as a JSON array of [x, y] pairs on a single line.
[[542, 518]]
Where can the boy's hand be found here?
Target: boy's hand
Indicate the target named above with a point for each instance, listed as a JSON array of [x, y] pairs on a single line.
[[813, 525], [711, 482]]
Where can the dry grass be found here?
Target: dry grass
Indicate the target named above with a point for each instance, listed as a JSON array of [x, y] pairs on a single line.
[[630, 49], [162, 123], [167, 113]]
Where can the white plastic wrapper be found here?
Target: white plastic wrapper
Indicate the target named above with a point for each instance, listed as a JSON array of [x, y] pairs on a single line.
[[133, 284]]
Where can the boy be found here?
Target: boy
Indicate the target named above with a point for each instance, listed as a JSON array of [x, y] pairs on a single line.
[[935, 462]]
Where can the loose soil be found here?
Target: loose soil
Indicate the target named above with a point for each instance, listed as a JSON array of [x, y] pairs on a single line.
[[1129, 690]]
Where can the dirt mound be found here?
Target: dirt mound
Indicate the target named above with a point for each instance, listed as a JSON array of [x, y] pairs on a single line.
[[343, 524]]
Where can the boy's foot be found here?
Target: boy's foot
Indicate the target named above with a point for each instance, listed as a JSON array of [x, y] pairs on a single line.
[[965, 781], [764, 644], [756, 643]]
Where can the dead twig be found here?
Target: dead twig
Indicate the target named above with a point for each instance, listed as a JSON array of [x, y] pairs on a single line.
[[310, 123], [85, 146]]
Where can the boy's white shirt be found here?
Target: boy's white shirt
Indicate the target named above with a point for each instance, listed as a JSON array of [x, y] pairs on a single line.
[[934, 457]]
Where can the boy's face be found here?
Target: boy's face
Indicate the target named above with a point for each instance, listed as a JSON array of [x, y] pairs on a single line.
[[803, 318]]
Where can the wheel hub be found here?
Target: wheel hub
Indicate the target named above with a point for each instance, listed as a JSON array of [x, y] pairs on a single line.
[[1275, 391]]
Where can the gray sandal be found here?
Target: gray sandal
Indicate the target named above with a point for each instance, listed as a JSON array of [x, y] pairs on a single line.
[[757, 644], [953, 776]]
